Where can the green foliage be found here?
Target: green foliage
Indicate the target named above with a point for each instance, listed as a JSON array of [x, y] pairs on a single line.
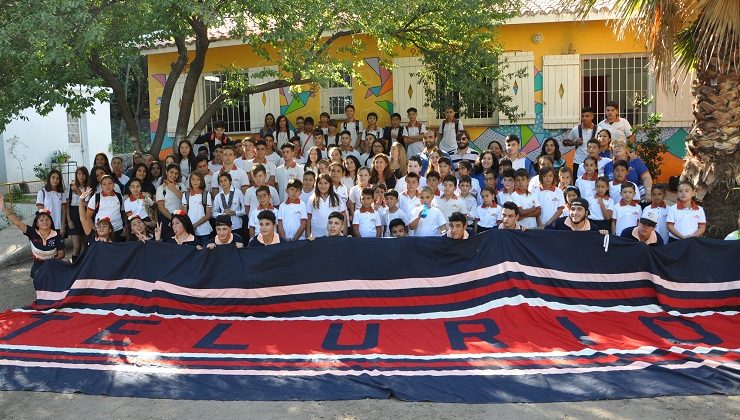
[[41, 171], [651, 148], [59, 156], [47, 47]]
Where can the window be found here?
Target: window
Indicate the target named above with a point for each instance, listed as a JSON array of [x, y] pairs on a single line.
[[73, 129], [236, 117], [622, 78], [336, 96], [473, 112]]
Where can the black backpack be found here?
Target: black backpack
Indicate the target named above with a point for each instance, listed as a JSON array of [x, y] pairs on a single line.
[[204, 200], [120, 202]]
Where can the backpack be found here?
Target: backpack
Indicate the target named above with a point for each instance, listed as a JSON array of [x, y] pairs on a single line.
[[120, 202], [442, 127], [204, 200], [357, 127], [580, 132]]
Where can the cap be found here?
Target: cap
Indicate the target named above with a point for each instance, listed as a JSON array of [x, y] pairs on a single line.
[[650, 218], [579, 202]]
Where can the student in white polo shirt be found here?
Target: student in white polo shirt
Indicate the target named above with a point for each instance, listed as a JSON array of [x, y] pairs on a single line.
[[427, 220], [230, 202], [367, 222], [627, 211], [292, 216], [239, 178], [289, 170], [412, 136], [685, 219], [413, 165], [260, 153], [448, 202], [488, 214], [449, 131], [551, 198], [107, 204], [580, 135], [619, 128], [354, 126], [321, 204]]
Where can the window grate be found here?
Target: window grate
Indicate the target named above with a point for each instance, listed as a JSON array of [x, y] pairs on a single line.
[[236, 117], [336, 96], [447, 96], [622, 78], [73, 129]]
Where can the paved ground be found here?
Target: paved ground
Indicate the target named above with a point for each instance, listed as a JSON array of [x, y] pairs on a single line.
[[16, 290]]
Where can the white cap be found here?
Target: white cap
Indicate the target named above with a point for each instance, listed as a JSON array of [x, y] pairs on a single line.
[[649, 217]]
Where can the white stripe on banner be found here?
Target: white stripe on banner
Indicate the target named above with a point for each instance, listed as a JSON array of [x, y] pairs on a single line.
[[160, 370], [393, 284], [317, 357], [472, 311]]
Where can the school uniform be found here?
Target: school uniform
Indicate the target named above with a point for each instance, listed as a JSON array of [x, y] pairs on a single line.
[[53, 201], [354, 128], [283, 174], [110, 207], [305, 195], [620, 129], [595, 213], [451, 205], [408, 203], [282, 137], [320, 214], [615, 190], [171, 201], [259, 240], [471, 204], [42, 250], [632, 233], [254, 222], [367, 222], [355, 197], [116, 188], [526, 200], [661, 227], [389, 216], [449, 132], [215, 168], [586, 134], [523, 163], [342, 191], [600, 167], [401, 184], [250, 198], [394, 134], [503, 196], [232, 200], [587, 185], [474, 190], [290, 215], [239, 178], [234, 238], [415, 130], [196, 211], [551, 200], [137, 206], [274, 158], [428, 226], [685, 219], [626, 215], [74, 213], [189, 241], [378, 133], [488, 216], [534, 185]]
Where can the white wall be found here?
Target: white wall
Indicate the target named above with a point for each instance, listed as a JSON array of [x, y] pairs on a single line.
[[44, 135]]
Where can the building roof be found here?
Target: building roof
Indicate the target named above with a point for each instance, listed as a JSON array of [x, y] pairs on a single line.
[[540, 9]]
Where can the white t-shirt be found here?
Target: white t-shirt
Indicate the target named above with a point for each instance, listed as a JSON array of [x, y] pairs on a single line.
[[626, 216], [229, 201], [110, 207], [686, 220], [449, 136], [275, 159], [283, 137], [619, 129], [53, 201], [550, 202], [196, 211], [401, 184], [270, 168], [320, 215], [586, 187], [137, 206], [588, 134], [171, 201], [250, 198], [417, 147], [290, 216], [526, 202], [449, 206], [283, 174], [353, 127], [367, 222], [239, 178], [428, 226], [594, 208], [488, 217], [600, 164]]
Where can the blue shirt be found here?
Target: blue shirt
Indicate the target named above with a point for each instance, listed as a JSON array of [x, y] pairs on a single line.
[[637, 169]]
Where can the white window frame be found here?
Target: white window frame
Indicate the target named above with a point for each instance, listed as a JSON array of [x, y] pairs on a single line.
[[472, 122], [623, 106], [202, 99], [337, 91], [74, 129]]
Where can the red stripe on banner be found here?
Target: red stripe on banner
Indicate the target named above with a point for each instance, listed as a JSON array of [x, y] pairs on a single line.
[[359, 302]]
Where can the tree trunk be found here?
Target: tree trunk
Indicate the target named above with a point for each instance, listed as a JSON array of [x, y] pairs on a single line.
[[169, 87], [191, 81], [712, 161]]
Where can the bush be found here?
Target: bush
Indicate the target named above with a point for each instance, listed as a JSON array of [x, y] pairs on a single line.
[[41, 171], [651, 148]]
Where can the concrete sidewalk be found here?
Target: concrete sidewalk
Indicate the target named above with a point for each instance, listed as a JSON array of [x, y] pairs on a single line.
[[14, 246]]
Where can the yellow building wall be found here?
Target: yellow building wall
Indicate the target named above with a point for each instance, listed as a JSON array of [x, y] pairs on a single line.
[[584, 38]]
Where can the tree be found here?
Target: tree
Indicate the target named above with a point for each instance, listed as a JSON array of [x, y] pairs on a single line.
[[311, 41], [701, 36], [16, 149]]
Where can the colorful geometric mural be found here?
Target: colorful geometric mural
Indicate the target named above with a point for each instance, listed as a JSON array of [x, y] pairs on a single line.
[[385, 85], [291, 102]]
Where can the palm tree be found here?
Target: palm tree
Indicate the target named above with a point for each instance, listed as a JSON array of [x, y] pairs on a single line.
[[701, 36]]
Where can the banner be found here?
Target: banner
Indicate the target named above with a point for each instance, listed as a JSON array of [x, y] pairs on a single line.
[[504, 316]]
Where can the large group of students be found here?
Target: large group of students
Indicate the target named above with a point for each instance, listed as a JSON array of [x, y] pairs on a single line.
[[352, 179]]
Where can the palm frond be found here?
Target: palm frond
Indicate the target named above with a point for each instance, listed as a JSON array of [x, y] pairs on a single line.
[[717, 31]]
